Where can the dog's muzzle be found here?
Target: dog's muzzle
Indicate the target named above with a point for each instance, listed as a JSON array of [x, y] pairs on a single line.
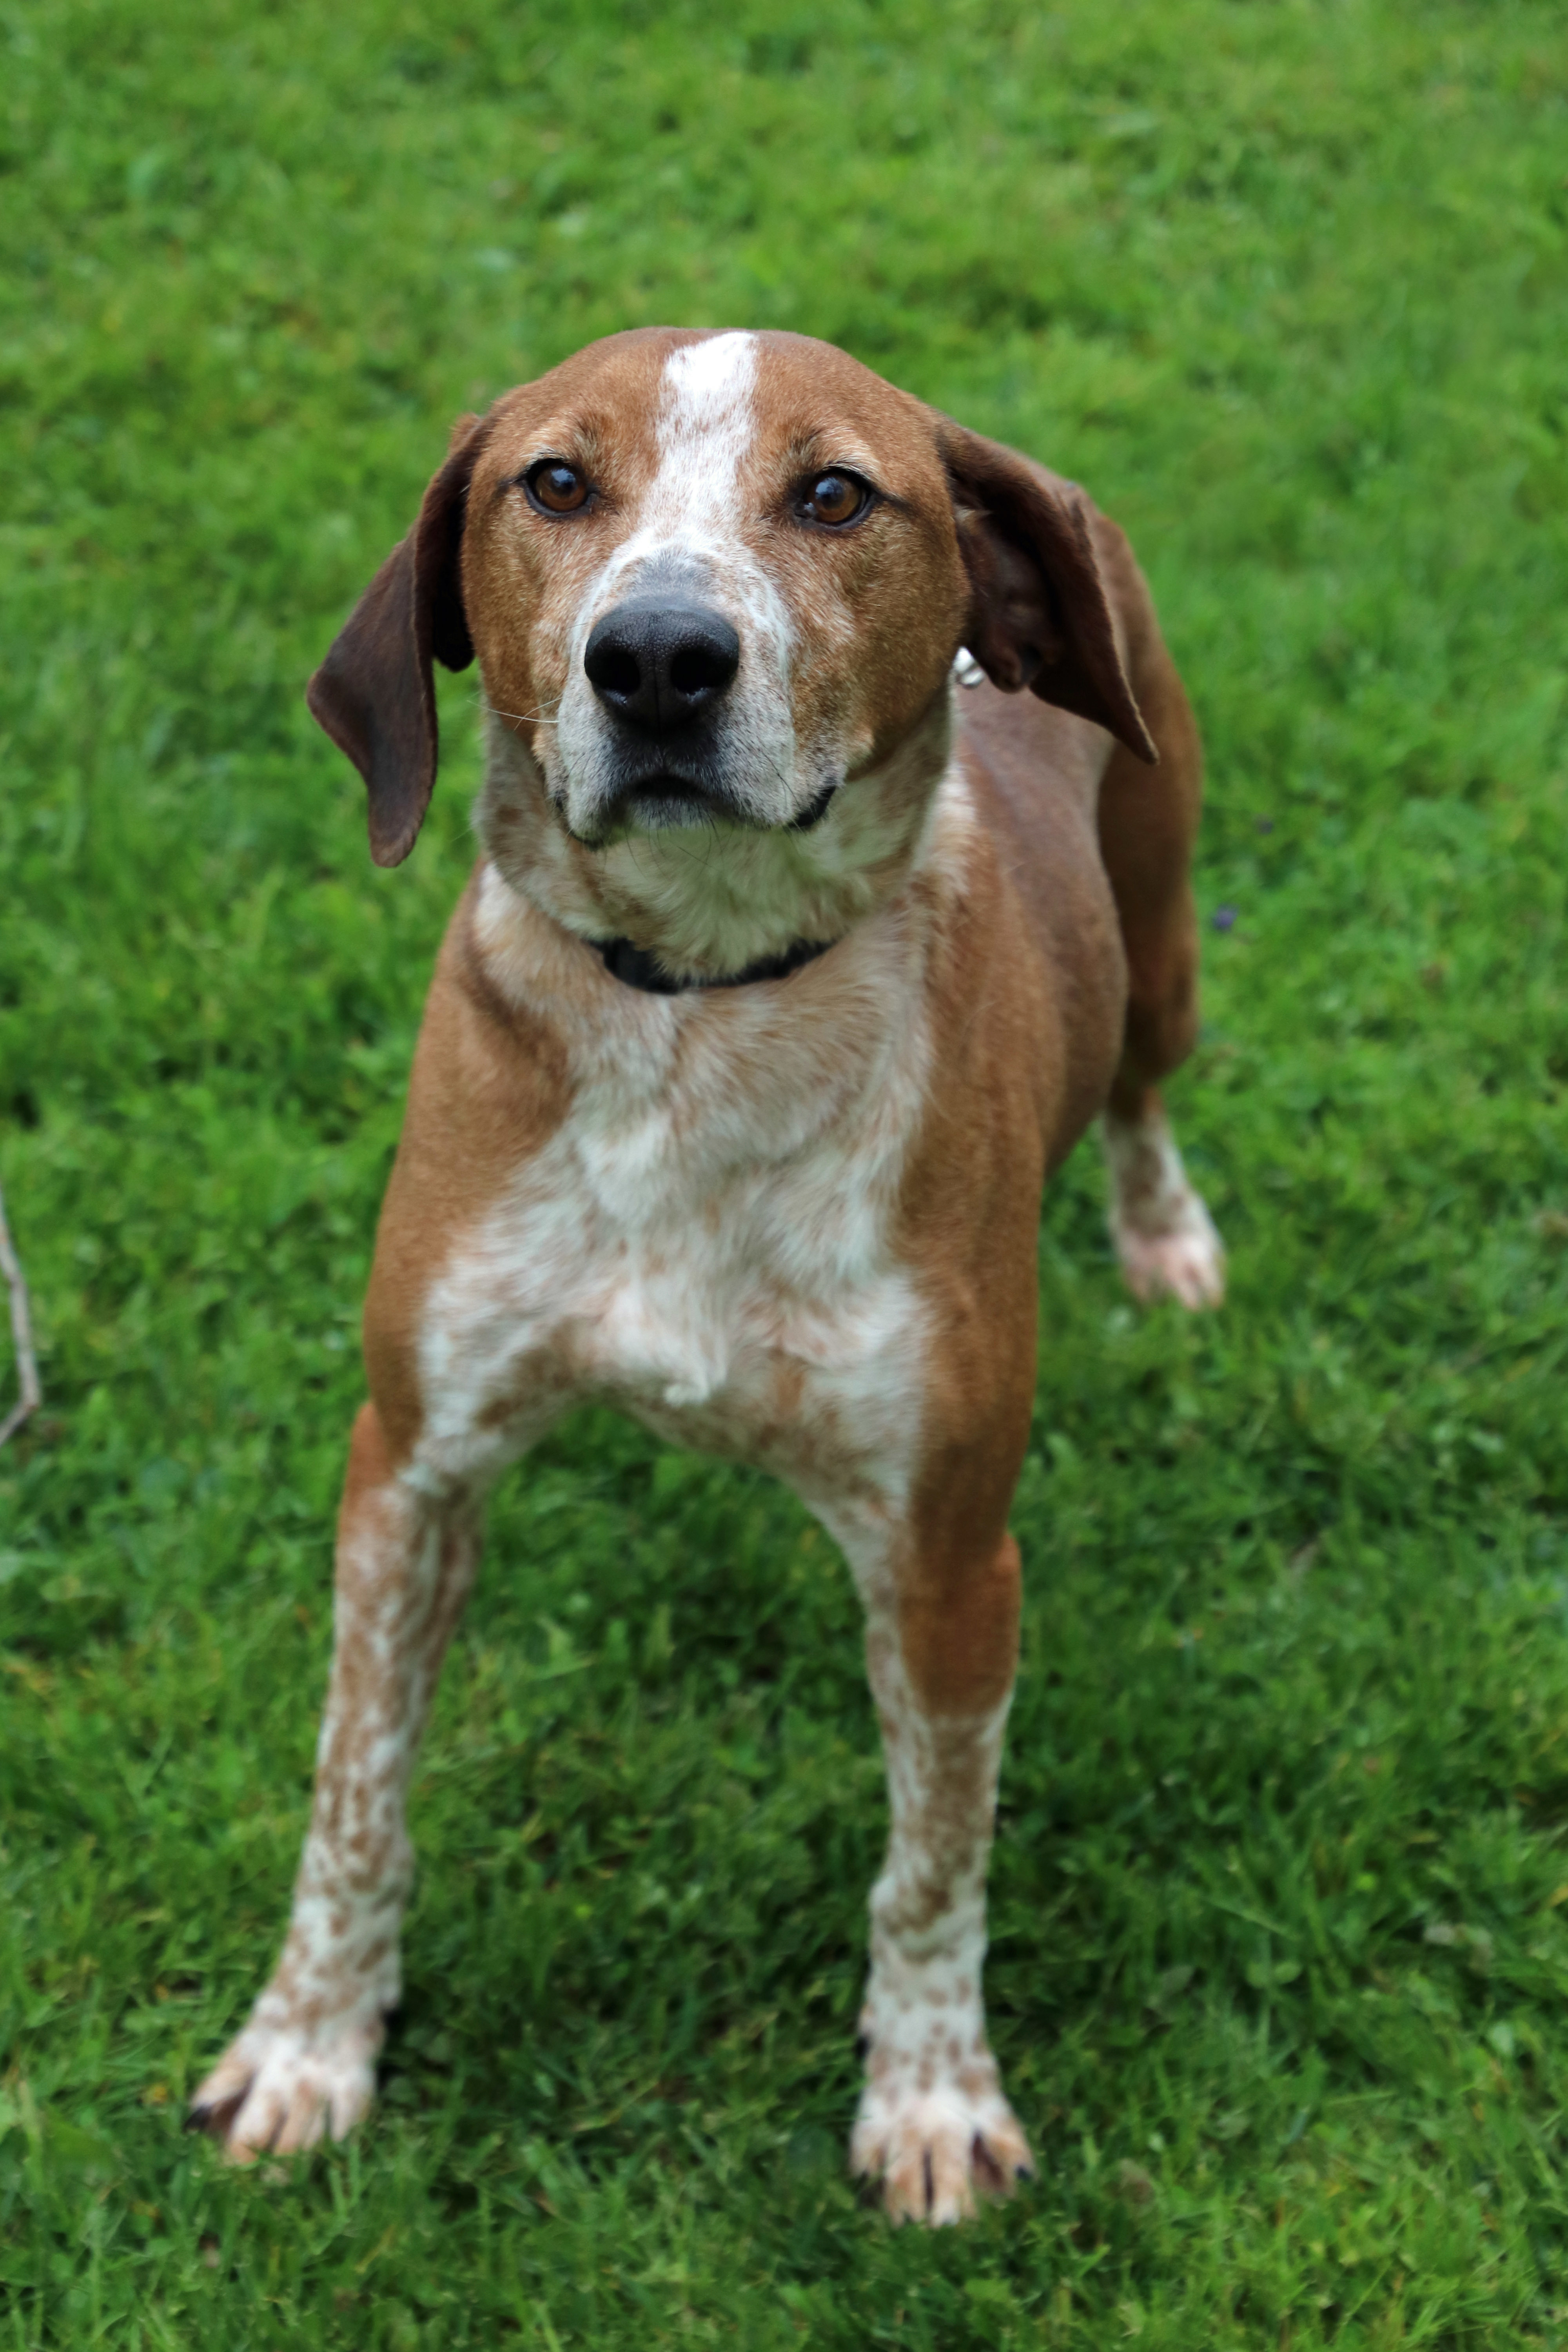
[[661, 671]]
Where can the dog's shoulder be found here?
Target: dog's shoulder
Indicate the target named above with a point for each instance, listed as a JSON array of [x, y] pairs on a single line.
[[491, 1069], [490, 1086]]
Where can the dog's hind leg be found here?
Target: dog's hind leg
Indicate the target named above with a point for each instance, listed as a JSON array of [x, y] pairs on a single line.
[[1163, 1234], [304, 2065]]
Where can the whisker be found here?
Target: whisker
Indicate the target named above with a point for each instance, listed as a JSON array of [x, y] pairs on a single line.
[[536, 718]]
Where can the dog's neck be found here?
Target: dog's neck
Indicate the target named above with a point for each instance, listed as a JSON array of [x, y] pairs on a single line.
[[709, 903]]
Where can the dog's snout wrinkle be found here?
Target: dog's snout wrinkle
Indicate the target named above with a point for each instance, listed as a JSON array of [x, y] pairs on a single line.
[[656, 665]]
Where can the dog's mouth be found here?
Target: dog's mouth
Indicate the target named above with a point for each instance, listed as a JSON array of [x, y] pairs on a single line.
[[668, 799]]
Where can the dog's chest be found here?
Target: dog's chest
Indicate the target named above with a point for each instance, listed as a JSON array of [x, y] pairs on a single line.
[[712, 1249]]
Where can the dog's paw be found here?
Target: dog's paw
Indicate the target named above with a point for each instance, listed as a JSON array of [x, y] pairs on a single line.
[[936, 2152], [1164, 1236], [277, 2090], [1184, 1260]]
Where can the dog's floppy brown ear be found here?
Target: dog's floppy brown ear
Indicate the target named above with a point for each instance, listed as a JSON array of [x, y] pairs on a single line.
[[1038, 615], [375, 692]]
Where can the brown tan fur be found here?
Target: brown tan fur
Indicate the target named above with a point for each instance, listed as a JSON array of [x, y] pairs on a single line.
[[1005, 875]]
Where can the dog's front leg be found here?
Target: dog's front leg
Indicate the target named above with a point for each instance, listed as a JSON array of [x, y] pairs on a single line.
[[942, 1646], [304, 2065]]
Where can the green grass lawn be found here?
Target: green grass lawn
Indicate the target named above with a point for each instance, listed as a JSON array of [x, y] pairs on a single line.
[[1280, 1903]]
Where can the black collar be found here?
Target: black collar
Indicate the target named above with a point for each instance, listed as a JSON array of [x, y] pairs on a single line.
[[639, 969]]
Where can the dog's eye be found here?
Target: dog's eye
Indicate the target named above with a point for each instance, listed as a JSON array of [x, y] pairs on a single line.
[[834, 499], [558, 488]]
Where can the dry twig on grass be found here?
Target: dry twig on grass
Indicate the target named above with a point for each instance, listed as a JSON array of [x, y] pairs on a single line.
[[32, 1395]]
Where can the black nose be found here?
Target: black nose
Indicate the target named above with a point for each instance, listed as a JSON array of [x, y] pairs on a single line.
[[657, 665]]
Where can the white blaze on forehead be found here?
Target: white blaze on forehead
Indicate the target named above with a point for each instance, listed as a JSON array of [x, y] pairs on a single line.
[[708, 388], [705, 428]]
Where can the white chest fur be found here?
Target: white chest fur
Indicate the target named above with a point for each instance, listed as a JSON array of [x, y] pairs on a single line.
[[707, 1240]]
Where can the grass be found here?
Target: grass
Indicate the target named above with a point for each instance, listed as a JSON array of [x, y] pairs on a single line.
[[1281, 1935]]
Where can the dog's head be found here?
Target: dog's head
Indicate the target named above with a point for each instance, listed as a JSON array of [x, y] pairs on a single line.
[[716, 579]]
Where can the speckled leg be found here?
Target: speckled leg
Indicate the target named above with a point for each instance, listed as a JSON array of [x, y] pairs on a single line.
[[304, 2065], [934, 2125]]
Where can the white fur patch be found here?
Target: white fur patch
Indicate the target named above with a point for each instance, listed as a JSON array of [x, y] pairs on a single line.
[[705, 430], [1163, 1234], [709, 1230], [706, 425]]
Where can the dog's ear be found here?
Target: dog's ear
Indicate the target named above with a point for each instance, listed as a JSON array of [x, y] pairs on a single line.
[[1037, 612], [375, 694]]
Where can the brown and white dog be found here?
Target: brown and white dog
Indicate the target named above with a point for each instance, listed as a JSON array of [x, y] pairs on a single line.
[[786, 976]]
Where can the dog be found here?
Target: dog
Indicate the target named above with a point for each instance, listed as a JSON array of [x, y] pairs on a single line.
[[837, 818]]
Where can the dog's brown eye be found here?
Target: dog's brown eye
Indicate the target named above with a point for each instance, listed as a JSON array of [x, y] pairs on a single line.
[[558, 488], [836, 498]]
